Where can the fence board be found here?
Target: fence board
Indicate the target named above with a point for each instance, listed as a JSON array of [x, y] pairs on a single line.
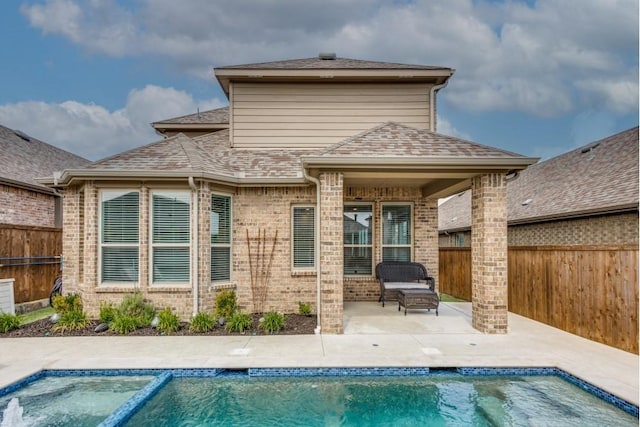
[[32, 282], [590, 291]]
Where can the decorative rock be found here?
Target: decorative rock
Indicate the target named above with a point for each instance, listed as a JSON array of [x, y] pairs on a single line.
[[221, 321], [154, 322], [54, 318], [101, 327]]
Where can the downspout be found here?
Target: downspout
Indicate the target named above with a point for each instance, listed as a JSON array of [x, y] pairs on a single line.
[[195, 246], [317, 251], [432, 104]]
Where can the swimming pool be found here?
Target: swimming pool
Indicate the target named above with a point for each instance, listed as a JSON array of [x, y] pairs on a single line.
[[328, 396]]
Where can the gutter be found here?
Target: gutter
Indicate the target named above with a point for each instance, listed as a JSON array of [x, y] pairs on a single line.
[[317, 251], [195, 247], [432, 103]]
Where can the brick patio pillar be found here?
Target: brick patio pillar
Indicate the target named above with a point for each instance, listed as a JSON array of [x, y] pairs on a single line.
[[331, 252], [489, 253]]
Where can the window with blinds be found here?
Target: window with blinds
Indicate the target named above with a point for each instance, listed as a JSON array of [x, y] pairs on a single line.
[[396, 232], [303, 236], [358, 239], [220, 237], [170, 236], [119, 236]]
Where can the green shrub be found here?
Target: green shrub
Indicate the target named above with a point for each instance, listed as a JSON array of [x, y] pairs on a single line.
[[123, 324], [168, 322], [304, 308], [66, 303], [133, 305], [226, 304], [107, 312], [202, 322], [238, 322], [8, 322], [273, 322], [70, 321]]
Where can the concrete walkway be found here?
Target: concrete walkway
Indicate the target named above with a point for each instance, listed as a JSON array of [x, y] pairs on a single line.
[[374, 336]]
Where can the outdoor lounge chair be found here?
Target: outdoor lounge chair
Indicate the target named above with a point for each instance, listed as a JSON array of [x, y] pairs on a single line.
[[395, 276]]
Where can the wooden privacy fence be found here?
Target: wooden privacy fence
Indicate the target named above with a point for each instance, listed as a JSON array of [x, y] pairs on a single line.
[[30, 255], [590, 291]]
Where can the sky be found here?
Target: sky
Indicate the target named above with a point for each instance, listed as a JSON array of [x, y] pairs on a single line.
[[538, 78]]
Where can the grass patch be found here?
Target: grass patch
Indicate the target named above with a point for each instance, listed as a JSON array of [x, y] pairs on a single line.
[[34, 316], [449, 298]]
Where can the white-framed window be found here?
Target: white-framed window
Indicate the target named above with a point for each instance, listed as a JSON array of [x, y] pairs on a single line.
[[303, 235], [170, 236], [119, 237], [220, 237], [358, 239], [397, 233]]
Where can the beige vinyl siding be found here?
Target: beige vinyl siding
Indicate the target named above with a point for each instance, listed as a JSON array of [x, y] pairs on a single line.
[[279, 115]]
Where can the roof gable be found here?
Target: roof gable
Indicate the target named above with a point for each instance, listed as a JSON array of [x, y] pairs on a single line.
[[332, 64]]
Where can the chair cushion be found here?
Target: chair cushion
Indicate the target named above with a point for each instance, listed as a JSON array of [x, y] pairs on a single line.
[[405, 285]]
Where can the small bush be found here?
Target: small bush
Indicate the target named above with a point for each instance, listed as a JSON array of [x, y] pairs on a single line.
[[238, 322], [133, 305], [168, 322], [273, 322], [304, 308], [226, 304], [65, 303], [8, 322], [107, 312], [70, 321], [202, 322], [123, 324]]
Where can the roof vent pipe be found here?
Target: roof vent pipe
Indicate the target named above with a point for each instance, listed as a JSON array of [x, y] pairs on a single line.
[[327, 56]]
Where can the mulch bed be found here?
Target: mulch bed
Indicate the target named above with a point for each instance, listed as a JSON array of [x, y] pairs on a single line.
[[295, 324]]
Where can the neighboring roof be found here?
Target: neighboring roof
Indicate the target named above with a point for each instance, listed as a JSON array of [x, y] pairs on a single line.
[[600, 177], [25, 158], [209, 120], [332, 68]]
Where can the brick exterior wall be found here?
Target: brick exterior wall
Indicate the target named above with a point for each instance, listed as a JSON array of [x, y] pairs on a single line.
[[24, 207], [331, 252], [255, 211], [597, 230], [489, 253]]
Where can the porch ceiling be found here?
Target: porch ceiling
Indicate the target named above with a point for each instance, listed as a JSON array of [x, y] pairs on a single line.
[[433, 185]]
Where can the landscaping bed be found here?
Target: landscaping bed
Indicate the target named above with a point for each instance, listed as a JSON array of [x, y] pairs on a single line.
[[295, 324]]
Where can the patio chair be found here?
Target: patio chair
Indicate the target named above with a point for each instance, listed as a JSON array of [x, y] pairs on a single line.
[[395, 276]]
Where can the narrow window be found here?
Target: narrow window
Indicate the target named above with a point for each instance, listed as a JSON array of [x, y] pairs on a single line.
[[119, 236], [303, 237], [358, 249], [220, 237], [396, 232], [170, 236]]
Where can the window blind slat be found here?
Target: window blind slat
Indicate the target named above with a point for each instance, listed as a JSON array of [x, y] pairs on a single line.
[[119, 236], [170, 236]]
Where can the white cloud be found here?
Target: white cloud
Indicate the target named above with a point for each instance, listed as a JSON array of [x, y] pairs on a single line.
[[445, 127], [94, 132], [538, 58]]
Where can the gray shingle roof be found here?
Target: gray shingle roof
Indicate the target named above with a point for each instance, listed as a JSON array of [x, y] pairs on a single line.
[[216, 116], [24, 159], [396, 140], [335, 64], [208, 154], [596, 178]]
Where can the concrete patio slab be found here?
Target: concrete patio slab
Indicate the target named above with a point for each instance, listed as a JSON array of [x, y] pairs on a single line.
[[374, 337]]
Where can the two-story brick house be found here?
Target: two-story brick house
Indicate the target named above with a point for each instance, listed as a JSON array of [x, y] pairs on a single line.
[[318, 169]]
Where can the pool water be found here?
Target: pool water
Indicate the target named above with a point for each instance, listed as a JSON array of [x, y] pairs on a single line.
[[73, 401], [434, 400]]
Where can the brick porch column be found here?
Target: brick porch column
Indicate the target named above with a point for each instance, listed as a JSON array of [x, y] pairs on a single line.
[[489, 253], [331, 252]]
